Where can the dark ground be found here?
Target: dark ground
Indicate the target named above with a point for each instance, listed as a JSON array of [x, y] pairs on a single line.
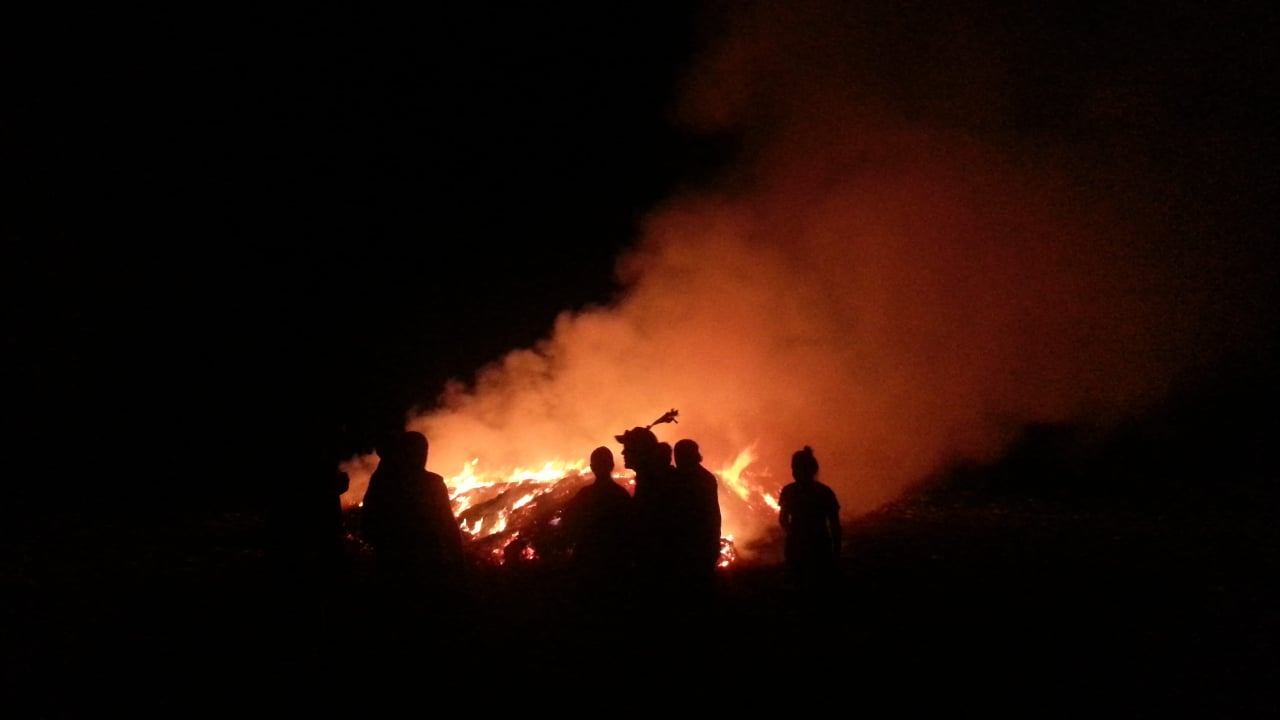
[[968, 607], [1129, 578]]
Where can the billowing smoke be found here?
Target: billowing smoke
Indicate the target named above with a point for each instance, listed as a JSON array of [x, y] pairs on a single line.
[[941, 224]]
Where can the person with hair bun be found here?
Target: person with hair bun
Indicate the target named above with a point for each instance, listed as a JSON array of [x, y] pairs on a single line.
[[810, 517]]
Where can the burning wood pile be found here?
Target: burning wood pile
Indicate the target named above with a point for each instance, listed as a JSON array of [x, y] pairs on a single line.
[[518, 521], [516, 518]]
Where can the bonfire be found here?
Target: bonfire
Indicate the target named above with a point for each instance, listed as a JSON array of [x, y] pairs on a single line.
[[515, 517]]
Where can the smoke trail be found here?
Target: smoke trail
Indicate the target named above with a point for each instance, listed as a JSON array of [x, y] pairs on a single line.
[[942, 225]]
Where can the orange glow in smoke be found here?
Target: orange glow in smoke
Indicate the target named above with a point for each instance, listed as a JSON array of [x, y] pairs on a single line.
[[891, 280]]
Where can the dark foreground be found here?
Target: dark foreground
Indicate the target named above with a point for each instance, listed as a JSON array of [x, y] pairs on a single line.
[[1034, 613]]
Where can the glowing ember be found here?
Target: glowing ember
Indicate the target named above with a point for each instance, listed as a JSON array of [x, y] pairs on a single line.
[[728, 553]]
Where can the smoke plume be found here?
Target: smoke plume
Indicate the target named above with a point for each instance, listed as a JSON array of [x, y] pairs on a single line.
[[939, 224]]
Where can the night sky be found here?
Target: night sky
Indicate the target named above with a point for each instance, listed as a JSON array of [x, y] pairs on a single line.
[[216, 215], [223, 227]]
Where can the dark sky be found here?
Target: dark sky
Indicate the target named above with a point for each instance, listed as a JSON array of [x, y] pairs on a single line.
[[222, 209], [373, 150], [220, 222]]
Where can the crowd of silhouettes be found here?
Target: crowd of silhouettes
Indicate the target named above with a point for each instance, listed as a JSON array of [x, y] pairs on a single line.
[[644, 558], [676, 525]]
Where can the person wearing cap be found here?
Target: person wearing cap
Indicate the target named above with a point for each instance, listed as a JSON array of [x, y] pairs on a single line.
[[644, 455], [641, 455]]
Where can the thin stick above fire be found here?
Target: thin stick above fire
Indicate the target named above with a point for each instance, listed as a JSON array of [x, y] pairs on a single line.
[[667, 417]]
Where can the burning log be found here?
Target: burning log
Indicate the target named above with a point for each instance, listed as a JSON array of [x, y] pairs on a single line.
[[521, 522], [728, 553]]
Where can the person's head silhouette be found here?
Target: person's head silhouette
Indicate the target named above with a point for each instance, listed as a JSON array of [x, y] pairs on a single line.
[[686, 453], [662, 454], [413, 449], [638, 447], [804, 466], [602, 463]]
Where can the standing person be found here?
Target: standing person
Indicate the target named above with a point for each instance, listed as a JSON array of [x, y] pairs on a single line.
[[598, 524], [307, 547], [696, 532], [306, 520], [810, 517], [408, 519], [649, 460]]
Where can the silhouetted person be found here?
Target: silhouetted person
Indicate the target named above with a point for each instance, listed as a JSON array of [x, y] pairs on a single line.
[[644, 456], [408, 519], [664, 456], [649, 459], [598, 523], [695, 522], [311, 581], [810, 516], [307, 521]]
